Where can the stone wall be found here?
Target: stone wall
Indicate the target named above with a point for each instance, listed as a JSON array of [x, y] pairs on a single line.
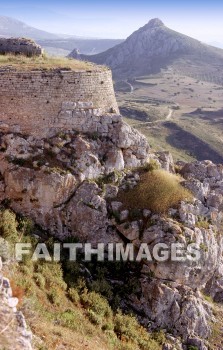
[[20, 46], [41, 102]]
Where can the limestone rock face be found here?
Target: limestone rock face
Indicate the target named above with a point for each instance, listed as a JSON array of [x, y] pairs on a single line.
[[14, 334], [177, 307], [35, 192], [187, 273], [214, 287], [45, 178], [166, 161], [205, 180], [69, 184]]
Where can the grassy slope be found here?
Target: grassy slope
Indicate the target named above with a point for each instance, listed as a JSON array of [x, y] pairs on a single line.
[[63, 317], [44, 62]]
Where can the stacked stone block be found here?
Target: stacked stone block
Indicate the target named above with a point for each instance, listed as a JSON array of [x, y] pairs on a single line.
[[41, 102]]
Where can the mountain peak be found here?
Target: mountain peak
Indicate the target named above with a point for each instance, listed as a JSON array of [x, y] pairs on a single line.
[[154, 47], [155, 22]]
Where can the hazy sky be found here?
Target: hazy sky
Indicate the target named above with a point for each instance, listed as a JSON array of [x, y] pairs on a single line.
[[119, 18]]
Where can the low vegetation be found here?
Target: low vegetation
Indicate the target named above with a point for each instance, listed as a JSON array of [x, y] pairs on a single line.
[[21, 62], [68, 314], [157, 191]]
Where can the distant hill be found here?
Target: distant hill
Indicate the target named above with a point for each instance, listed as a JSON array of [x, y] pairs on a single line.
[[84, 45], [56, 44], [153, 47], [10, 27], [216, 44]]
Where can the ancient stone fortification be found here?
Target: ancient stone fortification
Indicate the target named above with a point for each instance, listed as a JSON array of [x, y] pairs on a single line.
[[41, 103], [20, 46]]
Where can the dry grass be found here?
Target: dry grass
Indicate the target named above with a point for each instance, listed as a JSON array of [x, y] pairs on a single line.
[[17, 291], [20, 62], [158, 191], [48, 318], [62, 318]]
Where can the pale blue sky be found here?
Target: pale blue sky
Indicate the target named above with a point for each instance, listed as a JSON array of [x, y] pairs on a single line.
[[118, 19]]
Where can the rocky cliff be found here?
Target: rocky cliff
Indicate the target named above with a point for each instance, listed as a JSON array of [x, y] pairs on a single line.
[[44, 178], [76, 185], [70, 185]]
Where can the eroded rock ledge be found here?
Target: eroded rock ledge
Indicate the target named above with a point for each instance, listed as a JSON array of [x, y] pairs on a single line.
[[68, 184]]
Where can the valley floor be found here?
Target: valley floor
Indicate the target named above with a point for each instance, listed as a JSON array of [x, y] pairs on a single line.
[[177, 113]]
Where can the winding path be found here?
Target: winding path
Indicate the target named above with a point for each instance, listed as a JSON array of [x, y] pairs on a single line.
[[167, 117]]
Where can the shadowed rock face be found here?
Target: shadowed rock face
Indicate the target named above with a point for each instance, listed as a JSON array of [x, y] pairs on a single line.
[[20, 46], [152, 47]]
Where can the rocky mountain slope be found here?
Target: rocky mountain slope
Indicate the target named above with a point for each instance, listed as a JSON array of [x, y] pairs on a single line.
[[155, 46], [71, 185], [55, 44], [58, 167], [11, 27], [99, 181]]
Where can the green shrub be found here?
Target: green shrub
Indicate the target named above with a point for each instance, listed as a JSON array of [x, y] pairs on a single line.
[[25, 225], [27, 284], [157, 191], [69, 319], [208, 298], [54, 296], [151, 165], [52, 273], [108, 326], [203, 224], [94, 318], [8, 225], [125, 325], [95, 302], [112, 339], [27, 270], [128, 329], [74, 295], [103, 287], [159, 337], [39, 279]]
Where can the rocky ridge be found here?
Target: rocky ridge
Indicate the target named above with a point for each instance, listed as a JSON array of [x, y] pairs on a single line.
[[151, 48], [42, 178], [69, 186]]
